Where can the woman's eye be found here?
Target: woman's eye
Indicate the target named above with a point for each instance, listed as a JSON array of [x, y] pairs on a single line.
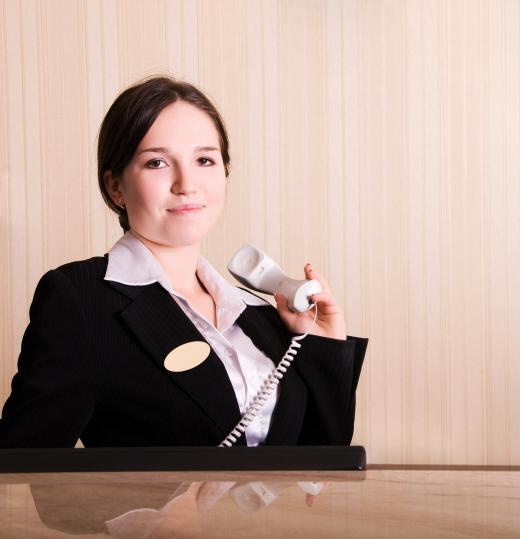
[[206, 159], [156, 163]]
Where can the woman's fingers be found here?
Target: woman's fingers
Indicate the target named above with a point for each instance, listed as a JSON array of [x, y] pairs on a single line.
[[325, 301], [310, 273]]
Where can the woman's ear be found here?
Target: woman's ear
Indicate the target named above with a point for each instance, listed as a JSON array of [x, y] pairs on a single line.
[[112, 185]]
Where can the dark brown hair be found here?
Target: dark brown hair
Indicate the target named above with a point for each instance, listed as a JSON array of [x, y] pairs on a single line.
[[131, 116]]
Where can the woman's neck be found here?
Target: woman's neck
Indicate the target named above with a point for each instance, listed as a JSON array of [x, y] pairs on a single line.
[[179, 264]]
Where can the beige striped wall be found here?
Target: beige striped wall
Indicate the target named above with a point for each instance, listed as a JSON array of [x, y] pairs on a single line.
[[379, 140]]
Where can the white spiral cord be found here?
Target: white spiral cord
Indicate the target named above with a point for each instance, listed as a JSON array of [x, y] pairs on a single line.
[[267, 387]]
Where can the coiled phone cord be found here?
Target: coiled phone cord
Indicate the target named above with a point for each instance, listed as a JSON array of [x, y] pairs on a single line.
[[267, 387]]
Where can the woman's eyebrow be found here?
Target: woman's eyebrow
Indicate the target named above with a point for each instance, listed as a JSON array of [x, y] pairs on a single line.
[[163, 149]]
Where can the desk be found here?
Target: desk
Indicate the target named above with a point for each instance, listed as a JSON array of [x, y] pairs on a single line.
[[381, 501], [378, 502]]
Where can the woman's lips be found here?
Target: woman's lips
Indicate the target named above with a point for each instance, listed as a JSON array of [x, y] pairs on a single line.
[[186, 211]]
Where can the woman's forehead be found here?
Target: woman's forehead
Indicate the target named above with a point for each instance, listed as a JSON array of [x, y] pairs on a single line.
[[181, 125]]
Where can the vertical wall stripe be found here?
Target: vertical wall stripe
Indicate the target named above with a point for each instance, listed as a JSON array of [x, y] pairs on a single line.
[[6, 325], [18, 295], [512, 46]]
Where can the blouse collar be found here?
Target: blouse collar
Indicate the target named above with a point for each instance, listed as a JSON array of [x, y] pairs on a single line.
[[132, 263]]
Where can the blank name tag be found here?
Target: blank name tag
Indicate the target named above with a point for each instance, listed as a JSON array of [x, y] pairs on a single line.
[[187, 356]]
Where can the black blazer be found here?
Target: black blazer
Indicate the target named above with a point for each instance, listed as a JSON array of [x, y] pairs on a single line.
[[91, 367]]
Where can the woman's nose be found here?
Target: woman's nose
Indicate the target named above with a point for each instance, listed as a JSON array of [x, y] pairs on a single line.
[[184, 180]]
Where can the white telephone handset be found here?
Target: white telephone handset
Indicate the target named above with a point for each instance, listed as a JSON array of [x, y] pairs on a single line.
[[256, 270]]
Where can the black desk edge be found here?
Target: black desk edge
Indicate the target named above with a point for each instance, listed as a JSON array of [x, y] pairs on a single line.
[[147, 459]]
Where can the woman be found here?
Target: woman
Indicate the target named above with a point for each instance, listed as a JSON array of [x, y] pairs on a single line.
[[92, 361]]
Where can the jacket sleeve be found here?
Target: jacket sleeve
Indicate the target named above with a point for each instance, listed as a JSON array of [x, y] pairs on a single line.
[[330, 369], [52, 397]]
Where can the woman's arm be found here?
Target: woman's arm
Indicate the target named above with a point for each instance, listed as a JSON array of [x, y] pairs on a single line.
[[328, 362], [330, 369], [52, 394]]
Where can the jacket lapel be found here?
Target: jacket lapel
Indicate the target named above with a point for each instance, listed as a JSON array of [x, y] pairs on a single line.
[[160, 325]]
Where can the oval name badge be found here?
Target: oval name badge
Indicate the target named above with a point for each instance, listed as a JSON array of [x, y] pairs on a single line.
[[187, 356]]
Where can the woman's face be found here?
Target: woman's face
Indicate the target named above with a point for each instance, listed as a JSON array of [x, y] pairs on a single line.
[[177, 162]]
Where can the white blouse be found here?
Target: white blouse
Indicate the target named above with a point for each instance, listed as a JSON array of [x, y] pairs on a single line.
[[131, 262]]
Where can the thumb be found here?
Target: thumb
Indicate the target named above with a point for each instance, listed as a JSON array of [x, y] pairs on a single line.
[[281, 301]]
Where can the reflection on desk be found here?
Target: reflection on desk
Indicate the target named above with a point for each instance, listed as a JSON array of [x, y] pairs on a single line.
[[379, 502]]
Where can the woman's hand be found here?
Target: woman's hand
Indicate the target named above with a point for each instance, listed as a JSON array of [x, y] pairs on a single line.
[[330, 321]]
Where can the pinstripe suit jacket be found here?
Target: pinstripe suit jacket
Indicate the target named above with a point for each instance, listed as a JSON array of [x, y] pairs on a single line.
[[91, 367]]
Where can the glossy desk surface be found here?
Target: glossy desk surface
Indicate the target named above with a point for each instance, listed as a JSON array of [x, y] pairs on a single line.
[[381, 501]]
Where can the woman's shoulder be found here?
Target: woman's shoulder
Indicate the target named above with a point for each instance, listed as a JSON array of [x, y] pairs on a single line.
[[63, 286], [79, 273], [95, 267]]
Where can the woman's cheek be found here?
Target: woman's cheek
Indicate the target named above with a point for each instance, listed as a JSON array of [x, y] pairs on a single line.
[[150, 196]]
